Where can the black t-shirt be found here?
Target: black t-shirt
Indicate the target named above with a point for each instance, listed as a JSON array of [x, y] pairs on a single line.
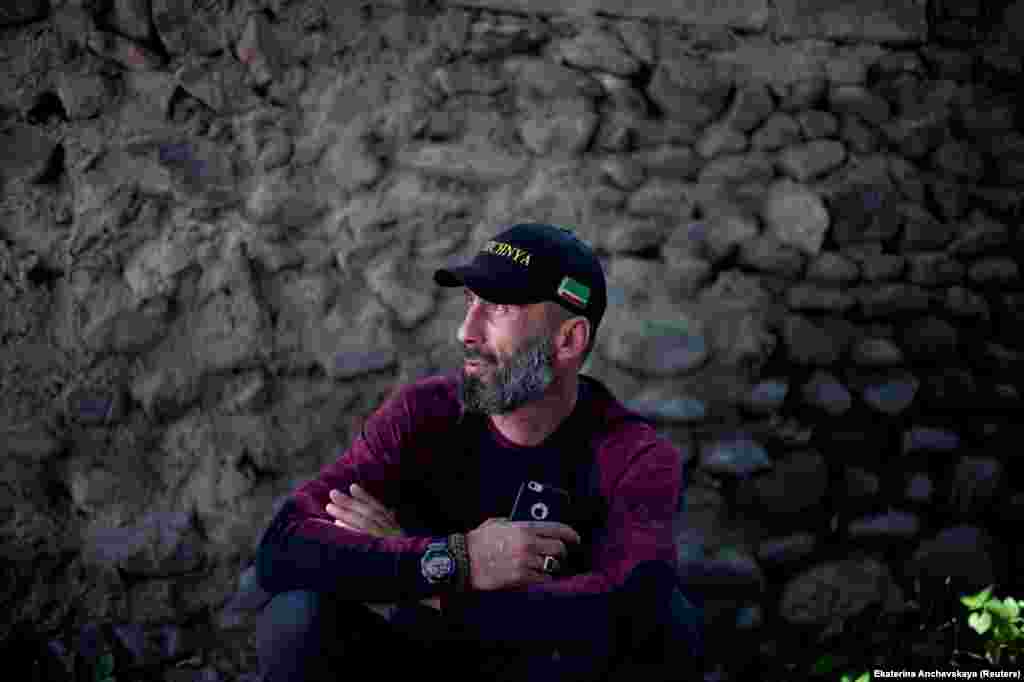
[[504, 466]]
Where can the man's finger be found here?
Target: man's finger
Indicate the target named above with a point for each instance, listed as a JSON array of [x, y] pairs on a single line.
[[548, 546], [352, 518], [354, 506], [551, 529], [360, 494]]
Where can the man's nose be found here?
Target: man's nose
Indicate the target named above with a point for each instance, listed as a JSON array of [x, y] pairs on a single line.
[[470, 331]]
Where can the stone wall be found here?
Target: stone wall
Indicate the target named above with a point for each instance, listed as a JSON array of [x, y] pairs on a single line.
[[219, 222]]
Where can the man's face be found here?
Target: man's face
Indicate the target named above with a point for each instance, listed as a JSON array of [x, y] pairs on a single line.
[[509, 355]]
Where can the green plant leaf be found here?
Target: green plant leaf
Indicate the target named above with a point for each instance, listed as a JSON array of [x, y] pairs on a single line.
[[1013, 606], [976, 601], [980, 622], [864, 677], [999, 609], [824, 665]]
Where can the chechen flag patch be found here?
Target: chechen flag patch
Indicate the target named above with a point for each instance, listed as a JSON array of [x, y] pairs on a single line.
[[575, 292]]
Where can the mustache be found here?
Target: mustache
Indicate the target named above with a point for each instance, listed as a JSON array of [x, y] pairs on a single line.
[[473, 354]]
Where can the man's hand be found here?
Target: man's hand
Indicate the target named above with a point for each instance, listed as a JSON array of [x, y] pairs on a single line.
[[362, 513], [511, 553]]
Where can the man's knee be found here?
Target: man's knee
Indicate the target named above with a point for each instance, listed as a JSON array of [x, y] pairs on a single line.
[[292, 614], [653, 595]]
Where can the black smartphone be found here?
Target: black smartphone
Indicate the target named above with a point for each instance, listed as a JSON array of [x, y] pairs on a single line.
[[539, 502]]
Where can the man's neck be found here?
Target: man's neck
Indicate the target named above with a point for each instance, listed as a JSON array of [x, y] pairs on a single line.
[[531, 424]]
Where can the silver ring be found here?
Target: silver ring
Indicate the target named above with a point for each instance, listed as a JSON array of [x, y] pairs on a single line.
[[551, 564]]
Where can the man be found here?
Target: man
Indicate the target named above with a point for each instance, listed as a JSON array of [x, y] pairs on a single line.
[[416, 510]]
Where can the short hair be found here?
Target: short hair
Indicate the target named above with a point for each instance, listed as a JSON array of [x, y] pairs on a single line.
[[558, 314]]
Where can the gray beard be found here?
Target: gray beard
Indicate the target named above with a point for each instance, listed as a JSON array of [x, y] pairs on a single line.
[[521, 379]]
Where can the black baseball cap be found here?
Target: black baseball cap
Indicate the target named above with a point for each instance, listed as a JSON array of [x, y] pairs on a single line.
[[531, 263]]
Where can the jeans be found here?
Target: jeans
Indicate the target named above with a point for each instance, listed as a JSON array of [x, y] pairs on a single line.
[[317, 637]]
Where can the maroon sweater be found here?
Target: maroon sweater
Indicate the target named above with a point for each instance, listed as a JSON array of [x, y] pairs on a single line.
[[412, 456]]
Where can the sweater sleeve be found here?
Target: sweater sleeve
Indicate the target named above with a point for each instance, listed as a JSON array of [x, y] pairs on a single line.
[[642, 504], [302, 549]]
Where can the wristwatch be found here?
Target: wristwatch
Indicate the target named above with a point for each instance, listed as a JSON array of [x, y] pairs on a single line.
[[438, 564]]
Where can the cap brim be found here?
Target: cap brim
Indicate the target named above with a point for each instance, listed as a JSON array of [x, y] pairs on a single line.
[[488, 284]]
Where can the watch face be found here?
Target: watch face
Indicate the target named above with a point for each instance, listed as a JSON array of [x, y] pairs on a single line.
[[438, 565]]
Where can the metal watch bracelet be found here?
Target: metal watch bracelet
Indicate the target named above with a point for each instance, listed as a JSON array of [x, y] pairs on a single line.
[[457, 545]]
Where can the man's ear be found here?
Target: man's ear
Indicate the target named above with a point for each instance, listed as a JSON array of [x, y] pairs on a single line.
[[574, 334]]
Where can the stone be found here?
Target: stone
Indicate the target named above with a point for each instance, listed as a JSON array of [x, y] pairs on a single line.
[[931, 338], [924, 439], [861, 483], [963, 553], [829, 594], [859, 136], [470, 77], [907, 178], [832, 268], [960, 159], [32, 442], [669, 161], [977, 484], [738, 169], [982, 235], [475, 159], [952, 198], [751, 105], [808, 343], [934, 268], [726, 228], [559, 127], [666, 352], [537, 77], [26, 153], [635, 235], [808, 161], [626, 174], [965, 303], [877, 267], [188, 26], [865, 213], [83, 95], [796, 215], [876, 352], [160, 544], [767, 254], [892, 395], [682, 410], [688, 89], [398, 290], [780, 130], [786, 550], [994, 271], [816, 124], [720, 138], [662, 197], [277, 199], [767, 396], [856, 100], [259, 49], [892, 526], [23, 11], [639, 38], [826, 393], [131, 18], [875, 21], [796, 484], [920, 488], [736, 455], [885, 300], [810, 297], [805, 93], [597, 50], [216, 84]]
